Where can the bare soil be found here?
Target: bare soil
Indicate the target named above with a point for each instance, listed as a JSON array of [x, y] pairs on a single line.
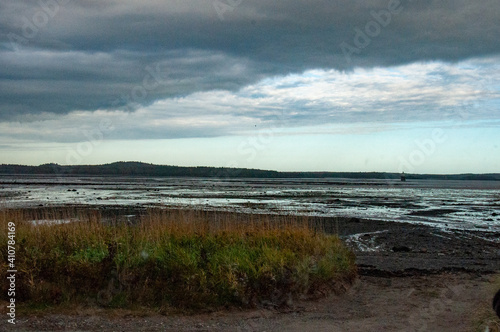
[[439, 302]]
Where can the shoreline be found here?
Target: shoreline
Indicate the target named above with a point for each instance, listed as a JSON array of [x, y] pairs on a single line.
[[397, 249]]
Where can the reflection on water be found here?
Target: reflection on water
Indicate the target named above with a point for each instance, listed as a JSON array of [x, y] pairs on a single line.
[[450, 204]]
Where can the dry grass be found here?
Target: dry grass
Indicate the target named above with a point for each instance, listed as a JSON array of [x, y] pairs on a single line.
[[182, 259]]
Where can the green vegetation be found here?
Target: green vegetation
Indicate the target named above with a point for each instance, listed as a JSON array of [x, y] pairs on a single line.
[[172, 259]]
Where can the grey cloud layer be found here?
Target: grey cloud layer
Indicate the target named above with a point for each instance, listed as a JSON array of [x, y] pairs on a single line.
[[94, 55], [415, 94]]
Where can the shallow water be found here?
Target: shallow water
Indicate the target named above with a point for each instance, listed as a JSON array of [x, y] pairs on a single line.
[[447, 204]]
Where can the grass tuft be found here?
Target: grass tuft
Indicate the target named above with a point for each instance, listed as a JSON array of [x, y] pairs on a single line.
[[171, 259]]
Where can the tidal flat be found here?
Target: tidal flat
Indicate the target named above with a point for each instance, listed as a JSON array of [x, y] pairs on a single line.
[[400, 234]]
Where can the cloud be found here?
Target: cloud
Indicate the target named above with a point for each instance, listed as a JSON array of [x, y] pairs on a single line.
[[363, 100], [60, 82], [63, 56]]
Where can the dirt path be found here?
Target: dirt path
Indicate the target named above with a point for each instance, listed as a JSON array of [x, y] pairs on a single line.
[[443, 302]]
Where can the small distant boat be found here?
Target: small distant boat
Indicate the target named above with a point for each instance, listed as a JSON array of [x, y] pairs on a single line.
[[403, 177]]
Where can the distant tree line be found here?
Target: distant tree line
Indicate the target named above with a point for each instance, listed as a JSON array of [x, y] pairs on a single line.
[[145, 169]]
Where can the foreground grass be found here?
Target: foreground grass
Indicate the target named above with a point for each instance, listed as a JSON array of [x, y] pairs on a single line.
[[179, 259]]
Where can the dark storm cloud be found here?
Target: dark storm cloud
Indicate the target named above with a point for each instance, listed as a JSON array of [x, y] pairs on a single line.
[[87, 55]]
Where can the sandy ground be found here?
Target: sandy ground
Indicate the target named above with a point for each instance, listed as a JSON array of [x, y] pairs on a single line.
[[440, 302]]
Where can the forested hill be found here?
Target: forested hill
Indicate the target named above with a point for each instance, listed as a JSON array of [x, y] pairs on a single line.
[[144, 169], [137, 169]]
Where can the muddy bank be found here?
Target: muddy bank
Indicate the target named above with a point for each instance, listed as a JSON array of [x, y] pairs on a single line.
[[391, 248]]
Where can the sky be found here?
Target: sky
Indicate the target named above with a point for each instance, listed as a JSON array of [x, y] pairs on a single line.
[[296, 85]]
